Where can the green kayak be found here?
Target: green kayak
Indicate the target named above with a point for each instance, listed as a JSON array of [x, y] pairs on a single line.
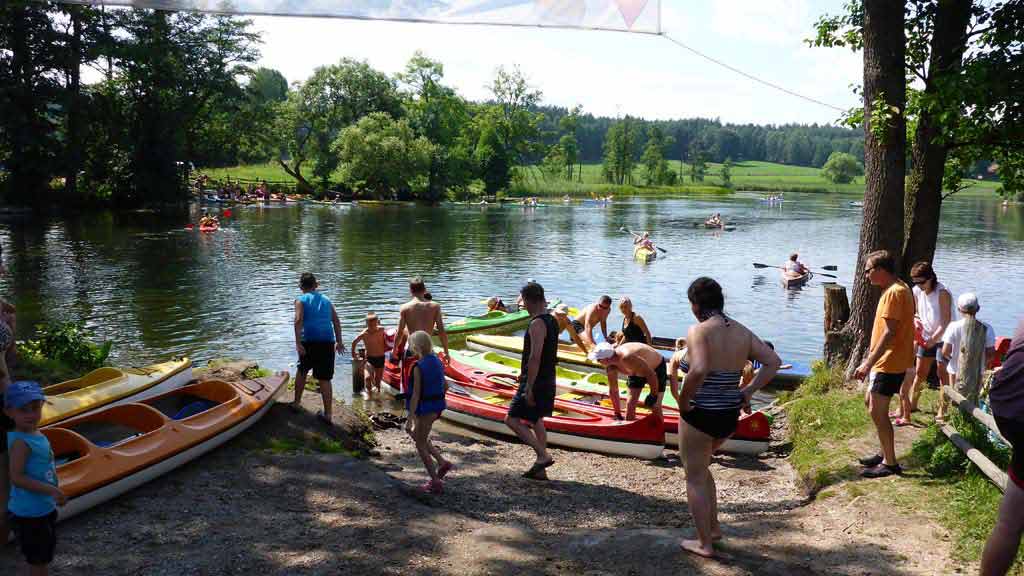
[[567, 379], [494, 321]]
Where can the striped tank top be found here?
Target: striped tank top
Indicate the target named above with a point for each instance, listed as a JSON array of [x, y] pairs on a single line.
[[720, 391]]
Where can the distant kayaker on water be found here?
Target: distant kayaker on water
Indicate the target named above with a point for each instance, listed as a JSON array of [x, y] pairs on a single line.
[[317, 337], [590, 317], [711, 399], [425, 403], [374, 339], [535, 398], [642, 365], [794, 268], [419, 313], [561, 314], [715, 221]]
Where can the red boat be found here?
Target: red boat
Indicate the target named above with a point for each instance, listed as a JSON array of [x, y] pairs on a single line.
[[752, 436], [473, 403]]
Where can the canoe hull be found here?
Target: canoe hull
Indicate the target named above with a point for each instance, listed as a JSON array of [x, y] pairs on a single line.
[[645, 255], [795, 281]]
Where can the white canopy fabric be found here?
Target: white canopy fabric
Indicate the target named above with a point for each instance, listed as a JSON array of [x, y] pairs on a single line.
[[639, 16]]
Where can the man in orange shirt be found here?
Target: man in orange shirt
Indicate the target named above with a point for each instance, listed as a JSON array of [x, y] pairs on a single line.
[[890, 356]]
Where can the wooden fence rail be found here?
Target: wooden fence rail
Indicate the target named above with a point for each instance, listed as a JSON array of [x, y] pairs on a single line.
[[993, 472]]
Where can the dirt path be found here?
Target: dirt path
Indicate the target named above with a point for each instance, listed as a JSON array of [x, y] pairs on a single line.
[[245, 509]]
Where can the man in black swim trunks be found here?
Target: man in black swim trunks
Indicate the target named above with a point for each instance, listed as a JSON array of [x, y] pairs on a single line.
[[591, 317], [641, 364], [535, 398]]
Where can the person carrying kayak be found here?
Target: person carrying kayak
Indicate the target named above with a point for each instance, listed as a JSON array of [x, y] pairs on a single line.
[[794, 268], [641, 364], [590, 317]]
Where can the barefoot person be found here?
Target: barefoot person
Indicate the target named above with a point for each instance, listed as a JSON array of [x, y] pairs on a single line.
[[317, 337], [561, 314], [535, 398], [374, 340], [890, 356], [934, 305], [419, 313], [642, 365], [711, 400], [425, 404], [1007, 401], [590, 317]]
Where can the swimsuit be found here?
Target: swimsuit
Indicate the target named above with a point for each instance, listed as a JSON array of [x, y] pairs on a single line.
[[577, 326], [631, 332], [715, 409], [375, 361]]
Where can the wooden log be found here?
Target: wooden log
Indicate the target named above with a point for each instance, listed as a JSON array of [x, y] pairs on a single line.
[[358, 365], [970, 409], [997, 476], [837, 313]]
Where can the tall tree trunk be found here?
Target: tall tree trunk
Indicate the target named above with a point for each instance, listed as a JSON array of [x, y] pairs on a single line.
[[74, 145], [923, 200], [884, 163]]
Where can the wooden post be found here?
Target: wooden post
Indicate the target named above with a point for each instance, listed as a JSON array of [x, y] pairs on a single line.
[[969, 409], [997, 476], [358, 364], [837, 313]]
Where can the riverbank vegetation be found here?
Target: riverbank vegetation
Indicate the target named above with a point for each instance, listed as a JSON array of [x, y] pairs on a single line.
[[60, 352], [180, 90]]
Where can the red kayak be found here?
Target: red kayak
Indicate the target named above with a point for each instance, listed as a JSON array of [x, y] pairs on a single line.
[[573, 425], [213, 228], [752, 436]]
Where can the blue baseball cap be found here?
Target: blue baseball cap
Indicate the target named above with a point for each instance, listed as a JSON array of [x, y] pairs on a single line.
[[22, 392]]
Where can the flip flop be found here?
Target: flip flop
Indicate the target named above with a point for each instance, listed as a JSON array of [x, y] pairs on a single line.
[[901, 422]]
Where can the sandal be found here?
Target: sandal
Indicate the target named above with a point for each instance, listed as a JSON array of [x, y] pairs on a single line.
[[432, 487], [901, 422], [444, 469]]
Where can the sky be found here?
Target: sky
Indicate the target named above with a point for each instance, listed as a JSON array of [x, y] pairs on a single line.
[[609, 73]]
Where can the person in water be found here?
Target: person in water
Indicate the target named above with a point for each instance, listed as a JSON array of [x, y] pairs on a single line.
[[890, 356], [535, 398], [634, 329], [561, 314], [715, 220], [711, 399], [317, 337], [374, 340], [590, 317], [794, 268], [425, 403], [35, 495], [420, 313], [642, 365]]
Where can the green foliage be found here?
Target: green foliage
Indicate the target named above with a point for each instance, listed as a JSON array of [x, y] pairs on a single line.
[[726, 173], [620, 152], [383, 156], [698, 164], [656, 170], [841, 168], [66, 344]]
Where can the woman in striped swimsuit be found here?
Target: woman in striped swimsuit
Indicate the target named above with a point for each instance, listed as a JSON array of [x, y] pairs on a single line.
[[711, 399]]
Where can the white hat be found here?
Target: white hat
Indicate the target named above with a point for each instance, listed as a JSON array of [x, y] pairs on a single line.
[[967, 301], [602, 351]]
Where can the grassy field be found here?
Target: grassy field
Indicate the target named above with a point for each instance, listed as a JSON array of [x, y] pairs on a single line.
[[754, 176]]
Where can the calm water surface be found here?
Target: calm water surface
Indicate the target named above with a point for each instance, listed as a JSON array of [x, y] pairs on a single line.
[[158, 290]]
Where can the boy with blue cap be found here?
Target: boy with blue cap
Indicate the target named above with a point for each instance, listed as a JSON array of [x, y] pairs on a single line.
[[32, 507]]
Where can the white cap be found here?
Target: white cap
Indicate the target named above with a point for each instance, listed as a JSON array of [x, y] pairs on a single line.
[[602, 351], [967, 301]]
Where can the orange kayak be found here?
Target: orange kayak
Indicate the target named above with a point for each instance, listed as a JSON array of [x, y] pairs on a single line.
[[107, 453]]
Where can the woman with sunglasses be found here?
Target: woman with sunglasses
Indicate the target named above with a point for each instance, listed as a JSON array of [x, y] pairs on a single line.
[[934, 305]]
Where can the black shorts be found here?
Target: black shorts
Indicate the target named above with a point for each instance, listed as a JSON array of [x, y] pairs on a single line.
[[932, 352], [375, 361], [1013, 430], [6, 425], [319, 358], [886, 384], [544, 402], [714, 423], [37, 537], [577, 326], [641, 381]]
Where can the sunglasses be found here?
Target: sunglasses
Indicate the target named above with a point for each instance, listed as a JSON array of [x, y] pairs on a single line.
[[919, 281], [870, 270], [603, 307]]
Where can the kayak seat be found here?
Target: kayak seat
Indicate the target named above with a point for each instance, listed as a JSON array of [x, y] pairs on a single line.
[[193, 408]]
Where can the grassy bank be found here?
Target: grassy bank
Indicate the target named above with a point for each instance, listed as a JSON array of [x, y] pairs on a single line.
[[830, 429], [749, 176]]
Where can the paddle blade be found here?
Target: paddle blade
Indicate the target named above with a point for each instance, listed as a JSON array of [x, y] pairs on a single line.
[[825, 275], [759, 265], [663, 251], [832, 268]]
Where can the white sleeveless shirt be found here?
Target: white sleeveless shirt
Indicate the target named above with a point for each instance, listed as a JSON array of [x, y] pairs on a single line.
[[928, 308]]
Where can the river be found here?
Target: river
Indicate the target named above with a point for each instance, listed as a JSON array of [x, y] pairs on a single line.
[[158, 290]]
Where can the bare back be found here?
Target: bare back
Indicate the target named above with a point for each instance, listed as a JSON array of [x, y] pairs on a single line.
[[635, 356], [420, 315], [722, 347]]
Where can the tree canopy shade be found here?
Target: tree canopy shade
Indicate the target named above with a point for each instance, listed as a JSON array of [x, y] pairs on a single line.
[[642, 16], [842, 168]]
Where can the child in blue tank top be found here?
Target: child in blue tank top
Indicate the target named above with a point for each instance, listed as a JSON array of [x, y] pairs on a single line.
[[425, 404], [32, 507]]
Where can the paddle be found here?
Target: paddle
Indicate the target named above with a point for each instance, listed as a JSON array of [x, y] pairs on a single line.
[[759, 265], [624, 229]]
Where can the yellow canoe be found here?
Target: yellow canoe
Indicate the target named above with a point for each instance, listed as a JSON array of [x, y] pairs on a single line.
[[108, 386]]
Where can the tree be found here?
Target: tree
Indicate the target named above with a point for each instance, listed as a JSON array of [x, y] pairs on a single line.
[[885, 162], [569, 143], [727, 173], [656, 171], [698, 164], [384, 156], [515, 127], [333, 98], [620, 152], [841, 168]]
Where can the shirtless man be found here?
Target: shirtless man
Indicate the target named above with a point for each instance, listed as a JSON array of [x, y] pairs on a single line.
[[420, 314], [561, 314], [374, 339], [590, 317], [641, 364]]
